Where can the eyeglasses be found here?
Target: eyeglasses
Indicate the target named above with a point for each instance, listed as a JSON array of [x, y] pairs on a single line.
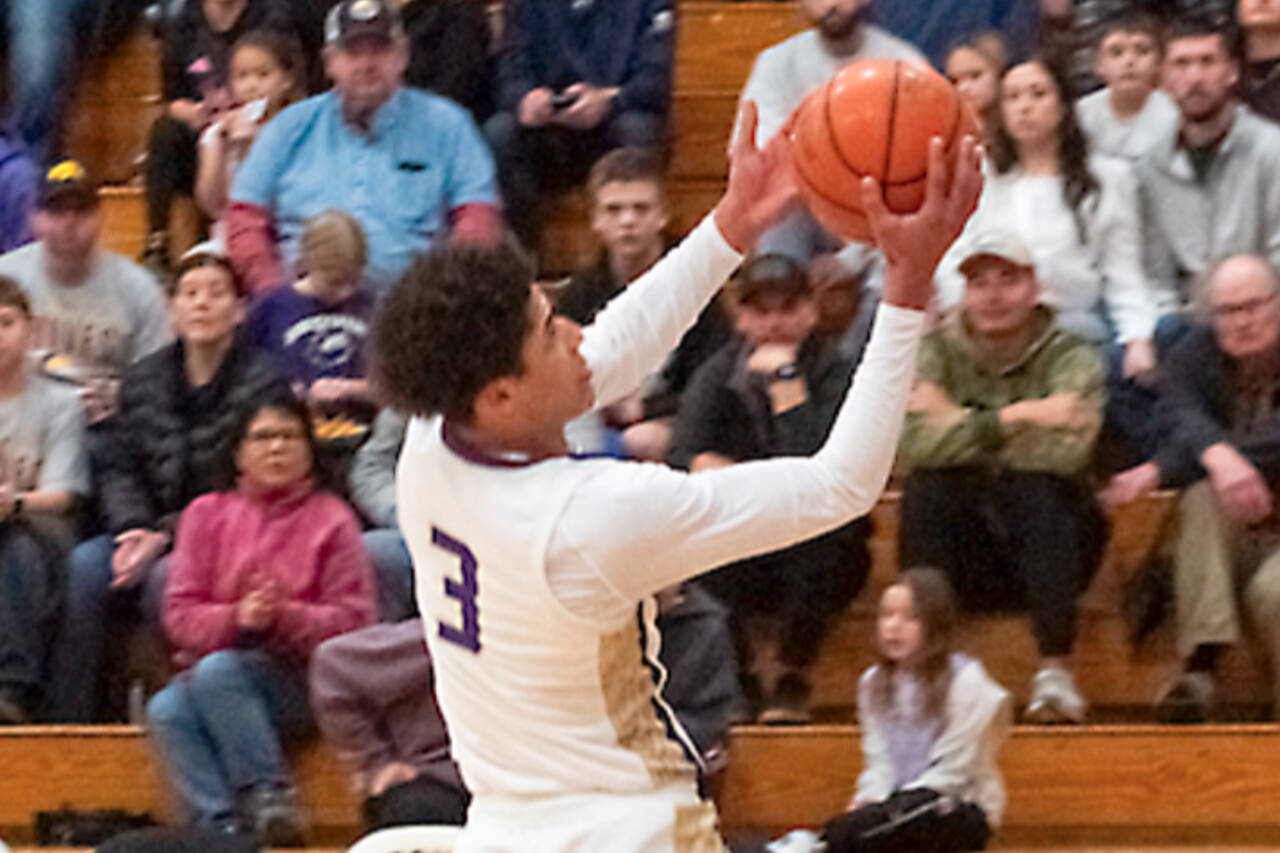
[[266, 436], [1247, 308]]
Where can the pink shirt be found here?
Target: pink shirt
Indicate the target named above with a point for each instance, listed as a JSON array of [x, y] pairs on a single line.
[[308, 540]]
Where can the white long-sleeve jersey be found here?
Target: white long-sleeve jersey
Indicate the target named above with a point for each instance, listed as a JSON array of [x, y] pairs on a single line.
[[535, 580]]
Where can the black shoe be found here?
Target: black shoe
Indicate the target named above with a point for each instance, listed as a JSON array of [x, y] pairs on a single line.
[[1147, 600], [789, 705], [13, 707], [1187, 699], [274, 818]]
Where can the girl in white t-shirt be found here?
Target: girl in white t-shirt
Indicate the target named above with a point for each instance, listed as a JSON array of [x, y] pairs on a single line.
[[267, 74], [932, 723]]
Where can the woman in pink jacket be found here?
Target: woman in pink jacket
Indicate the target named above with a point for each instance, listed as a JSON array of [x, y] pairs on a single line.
[[260, 574]]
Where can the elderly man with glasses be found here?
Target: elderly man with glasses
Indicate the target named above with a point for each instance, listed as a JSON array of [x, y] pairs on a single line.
[[1221, 445]]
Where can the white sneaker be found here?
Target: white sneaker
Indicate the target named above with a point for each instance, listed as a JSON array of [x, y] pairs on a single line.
[[1054, 698], [797, 841]]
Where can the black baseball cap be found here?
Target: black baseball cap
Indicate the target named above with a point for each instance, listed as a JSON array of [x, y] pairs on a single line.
[[351, 19], [67, 184], [770, 273]]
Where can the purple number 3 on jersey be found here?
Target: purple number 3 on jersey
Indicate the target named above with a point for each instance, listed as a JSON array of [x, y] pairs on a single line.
[[464, 592]]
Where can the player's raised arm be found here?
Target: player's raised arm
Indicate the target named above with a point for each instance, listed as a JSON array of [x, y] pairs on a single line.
[[715, 517], [633, 335]]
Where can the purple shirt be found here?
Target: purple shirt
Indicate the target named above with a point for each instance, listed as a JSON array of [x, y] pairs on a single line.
[[373, 699], [17, 194], [910, 733], [310, 338]]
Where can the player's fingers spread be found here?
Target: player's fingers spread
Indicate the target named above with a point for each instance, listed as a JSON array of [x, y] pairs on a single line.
[[936, 183], [748, 120], [966, 185], [779, 160], [778, 152], [873, 201]]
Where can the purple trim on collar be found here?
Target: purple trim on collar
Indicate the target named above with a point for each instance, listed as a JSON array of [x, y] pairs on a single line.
[[470, 452]]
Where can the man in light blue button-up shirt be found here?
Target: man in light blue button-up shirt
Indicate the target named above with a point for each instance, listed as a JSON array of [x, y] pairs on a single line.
[[408, 165]]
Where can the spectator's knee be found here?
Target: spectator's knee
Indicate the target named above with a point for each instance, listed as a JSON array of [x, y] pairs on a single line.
[[216, 671], [167, 708], [89, 570], [500, 131], [1262, 596], [637, 129]]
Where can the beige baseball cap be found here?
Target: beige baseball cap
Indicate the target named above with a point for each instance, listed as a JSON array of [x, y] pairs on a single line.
[[997, 244]]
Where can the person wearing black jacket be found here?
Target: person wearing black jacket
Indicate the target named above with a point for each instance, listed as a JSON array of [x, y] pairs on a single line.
[[774, 391], [177, 412], [629, 215], [1220, 415], [576, 79]]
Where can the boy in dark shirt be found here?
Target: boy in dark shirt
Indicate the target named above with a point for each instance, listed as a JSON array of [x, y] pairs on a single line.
[[628, 214]]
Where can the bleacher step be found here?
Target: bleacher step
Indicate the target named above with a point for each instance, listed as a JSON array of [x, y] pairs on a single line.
[[1129, 781]]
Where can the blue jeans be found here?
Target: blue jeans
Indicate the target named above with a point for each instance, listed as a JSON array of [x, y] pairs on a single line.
[[30, 589], [1132, 430], [393, 574], [217, 728], [91, 612], [42, 47]]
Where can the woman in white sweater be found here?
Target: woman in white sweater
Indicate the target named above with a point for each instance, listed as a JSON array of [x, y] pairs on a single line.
[[1078, 214]]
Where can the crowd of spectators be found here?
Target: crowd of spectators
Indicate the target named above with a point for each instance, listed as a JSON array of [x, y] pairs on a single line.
[[208, 461]]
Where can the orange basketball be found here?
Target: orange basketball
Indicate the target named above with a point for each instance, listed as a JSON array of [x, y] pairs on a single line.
[[875, 118]]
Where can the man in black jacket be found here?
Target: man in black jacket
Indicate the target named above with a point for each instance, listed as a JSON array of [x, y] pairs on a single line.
[[629, 216], [1221, 418], [775, 391]]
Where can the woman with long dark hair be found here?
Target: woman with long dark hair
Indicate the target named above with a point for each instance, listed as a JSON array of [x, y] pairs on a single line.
[[1077, 213]]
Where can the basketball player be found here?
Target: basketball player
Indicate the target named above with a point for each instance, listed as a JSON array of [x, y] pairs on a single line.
[[536, 571]]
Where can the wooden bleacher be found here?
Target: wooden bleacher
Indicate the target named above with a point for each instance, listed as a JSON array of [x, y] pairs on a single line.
[[1119, 681], [1148, 783]]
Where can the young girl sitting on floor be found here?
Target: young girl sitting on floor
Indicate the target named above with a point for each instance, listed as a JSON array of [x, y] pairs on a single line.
[[932, 724], [266, 75]]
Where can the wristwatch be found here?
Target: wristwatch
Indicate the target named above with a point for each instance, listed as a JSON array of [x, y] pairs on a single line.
[[786, 372]]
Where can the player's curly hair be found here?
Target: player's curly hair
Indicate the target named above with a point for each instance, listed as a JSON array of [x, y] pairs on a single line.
[[455, 321]]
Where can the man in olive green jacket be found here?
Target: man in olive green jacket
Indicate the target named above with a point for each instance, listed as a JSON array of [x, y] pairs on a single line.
[[998, 442]]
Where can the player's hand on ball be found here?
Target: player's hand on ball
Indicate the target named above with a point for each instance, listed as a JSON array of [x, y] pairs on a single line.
[[761, 184], [913, 243]]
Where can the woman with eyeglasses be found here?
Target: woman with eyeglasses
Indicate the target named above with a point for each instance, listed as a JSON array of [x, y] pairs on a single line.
[[260, 574]]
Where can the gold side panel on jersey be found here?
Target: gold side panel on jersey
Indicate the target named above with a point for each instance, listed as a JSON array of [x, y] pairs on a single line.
[[628, 699], [697, 829]]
